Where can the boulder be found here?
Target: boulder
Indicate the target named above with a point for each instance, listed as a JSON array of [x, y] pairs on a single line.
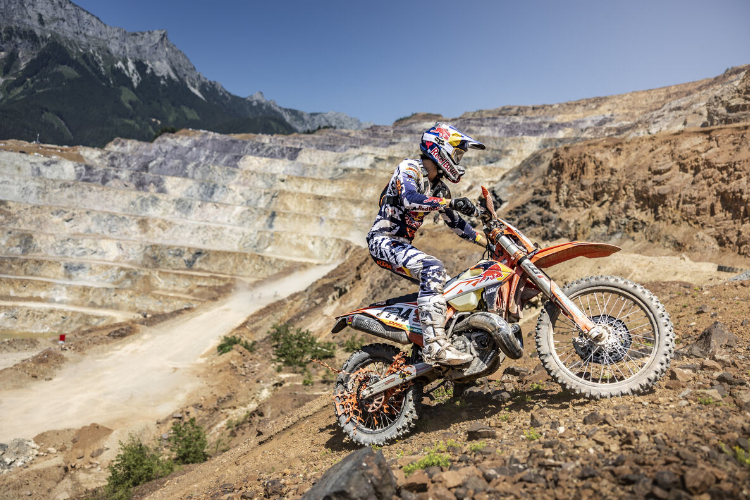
[[680, 375], [742, 397], [363, 474], [477, 484], [728, 378], [272, 488], [697, 481], [450, 478], [538, 376], [537, 418], [711, 393], [710, 365], [715, 337], [501, 396], [666, 480], [417, 482], [593, 418], [438, 492], [478, 431], [674, 385], [516, 371]]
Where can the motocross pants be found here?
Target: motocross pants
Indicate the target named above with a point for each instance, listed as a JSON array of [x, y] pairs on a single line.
[[399, 256]]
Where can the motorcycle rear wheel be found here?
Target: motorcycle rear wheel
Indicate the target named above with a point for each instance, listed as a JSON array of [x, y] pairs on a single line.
[[378, 425], [637, 354]]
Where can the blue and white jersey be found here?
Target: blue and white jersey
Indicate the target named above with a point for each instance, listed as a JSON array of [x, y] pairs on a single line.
[[408, 199]]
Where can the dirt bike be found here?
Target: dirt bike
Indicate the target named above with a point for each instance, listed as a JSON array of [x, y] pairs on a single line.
[[599, 336]]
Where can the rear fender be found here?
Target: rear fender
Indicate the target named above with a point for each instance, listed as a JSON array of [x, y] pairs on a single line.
[[551, 256]]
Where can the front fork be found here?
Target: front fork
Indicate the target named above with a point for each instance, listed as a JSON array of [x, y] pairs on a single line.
[[551, 290]]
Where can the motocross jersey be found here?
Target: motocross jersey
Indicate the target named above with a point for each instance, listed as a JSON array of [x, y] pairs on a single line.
[[407, 199]]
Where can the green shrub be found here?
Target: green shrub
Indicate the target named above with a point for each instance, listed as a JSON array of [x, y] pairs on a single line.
[[475, 447], [442, 394], [188, 442], [451, 443], [432, 458], [531, 435], [742, 457], [229, 341], [134, 465], [353, 343], [296, 347]]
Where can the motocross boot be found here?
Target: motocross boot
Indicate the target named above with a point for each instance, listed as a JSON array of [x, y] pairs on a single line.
[[437, 347]]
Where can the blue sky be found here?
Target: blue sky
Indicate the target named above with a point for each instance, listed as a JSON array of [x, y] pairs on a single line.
[[381, 60]]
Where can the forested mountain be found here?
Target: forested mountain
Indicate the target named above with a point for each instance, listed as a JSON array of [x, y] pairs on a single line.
[[72, 79]]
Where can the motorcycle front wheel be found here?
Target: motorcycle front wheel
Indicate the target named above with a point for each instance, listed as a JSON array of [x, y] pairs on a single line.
[[636, 354]]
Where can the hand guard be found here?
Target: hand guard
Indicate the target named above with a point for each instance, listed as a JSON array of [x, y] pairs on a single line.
[[484, 214], [464, 206]]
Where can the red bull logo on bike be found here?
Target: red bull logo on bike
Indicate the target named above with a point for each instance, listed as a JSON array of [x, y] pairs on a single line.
[[494, 272]]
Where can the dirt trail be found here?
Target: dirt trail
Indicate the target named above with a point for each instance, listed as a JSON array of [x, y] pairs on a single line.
[[144, 377]]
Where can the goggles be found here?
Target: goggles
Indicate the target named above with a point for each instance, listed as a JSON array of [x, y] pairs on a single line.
[[458, 153]]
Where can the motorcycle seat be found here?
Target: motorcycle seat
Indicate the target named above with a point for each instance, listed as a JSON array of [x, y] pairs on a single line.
[[410, 297]]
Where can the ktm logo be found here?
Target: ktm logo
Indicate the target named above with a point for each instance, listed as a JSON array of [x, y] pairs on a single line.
[[384, 264]]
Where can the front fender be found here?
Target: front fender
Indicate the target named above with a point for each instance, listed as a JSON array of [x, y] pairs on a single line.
[[551, 256]]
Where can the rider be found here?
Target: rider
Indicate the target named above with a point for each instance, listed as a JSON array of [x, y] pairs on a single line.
[[416, 188]]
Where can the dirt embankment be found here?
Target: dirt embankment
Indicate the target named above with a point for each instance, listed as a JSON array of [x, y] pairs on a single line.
[[686, 191]]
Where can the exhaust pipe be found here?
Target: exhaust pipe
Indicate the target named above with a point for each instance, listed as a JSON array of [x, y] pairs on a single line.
[[372, 326], [507, 337]]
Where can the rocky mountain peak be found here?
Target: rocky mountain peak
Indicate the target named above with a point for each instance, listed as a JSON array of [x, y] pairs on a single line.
[[63, 19], [257, 97], [137, 71]]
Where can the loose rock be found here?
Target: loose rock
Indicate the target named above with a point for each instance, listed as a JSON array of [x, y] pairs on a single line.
[[698, 481], [363, 474], [479, 431], [714, 337], [593, 418]]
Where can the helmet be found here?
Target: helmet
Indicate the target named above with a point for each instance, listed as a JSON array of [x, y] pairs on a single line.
[[445, 145]]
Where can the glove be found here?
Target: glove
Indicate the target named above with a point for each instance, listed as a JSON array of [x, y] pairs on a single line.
[[464, 206]]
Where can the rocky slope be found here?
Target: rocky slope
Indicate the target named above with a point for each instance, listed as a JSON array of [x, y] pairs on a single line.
[[686, 191], [72, 79], [517, 434]]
